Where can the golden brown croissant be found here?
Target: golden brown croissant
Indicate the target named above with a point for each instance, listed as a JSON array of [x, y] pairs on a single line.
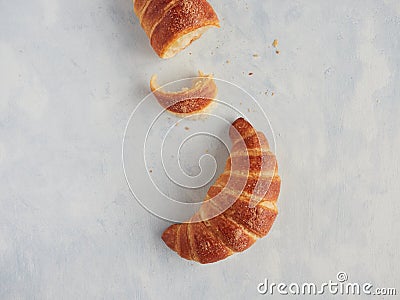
[[189, 100], [215, 232], [172, 25]]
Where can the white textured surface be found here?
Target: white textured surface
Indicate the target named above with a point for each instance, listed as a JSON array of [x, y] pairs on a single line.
[[72, 71]]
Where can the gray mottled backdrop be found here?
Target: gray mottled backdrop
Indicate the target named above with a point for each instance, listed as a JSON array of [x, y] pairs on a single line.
[[71, 72]]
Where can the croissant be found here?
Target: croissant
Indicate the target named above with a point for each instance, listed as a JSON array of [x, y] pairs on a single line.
[[230, 220], [188, 101], [172, 25]]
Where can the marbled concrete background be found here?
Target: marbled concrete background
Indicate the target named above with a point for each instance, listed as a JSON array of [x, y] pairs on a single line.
[[71, 72]]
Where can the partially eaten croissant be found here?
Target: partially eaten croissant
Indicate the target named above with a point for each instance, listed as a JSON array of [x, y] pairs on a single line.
[[230, 220], [188, 101], [172, 25]]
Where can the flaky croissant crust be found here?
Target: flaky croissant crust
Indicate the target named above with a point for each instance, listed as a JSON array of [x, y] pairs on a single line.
[[227, 222]]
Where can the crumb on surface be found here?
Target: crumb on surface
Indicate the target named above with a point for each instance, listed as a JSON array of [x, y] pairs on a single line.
[[277, 51], [227, 62], [255, 55], [248, 109], [275, 43], [272, 93], [150, 171], [251, 73], [187, 128]]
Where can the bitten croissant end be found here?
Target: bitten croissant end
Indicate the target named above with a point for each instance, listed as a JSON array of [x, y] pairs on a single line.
[[172, 25], [227, 222]]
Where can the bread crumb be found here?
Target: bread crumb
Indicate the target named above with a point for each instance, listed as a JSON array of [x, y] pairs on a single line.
[[255, 55], [151, 171], [272, 93], [275, 43], [277, 51], [251, 73], [227, 62], [187, 128]]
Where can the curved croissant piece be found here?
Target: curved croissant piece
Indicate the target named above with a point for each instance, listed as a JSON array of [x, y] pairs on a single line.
[[227, 222], [189, 100], [172, 25]]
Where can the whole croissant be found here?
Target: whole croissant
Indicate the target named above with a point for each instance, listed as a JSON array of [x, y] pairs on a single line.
[[227, 222], [172, 25]]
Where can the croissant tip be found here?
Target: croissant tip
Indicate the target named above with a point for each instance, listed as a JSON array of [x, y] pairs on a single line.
[[240, 123], [169, 236], [240, 119]]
